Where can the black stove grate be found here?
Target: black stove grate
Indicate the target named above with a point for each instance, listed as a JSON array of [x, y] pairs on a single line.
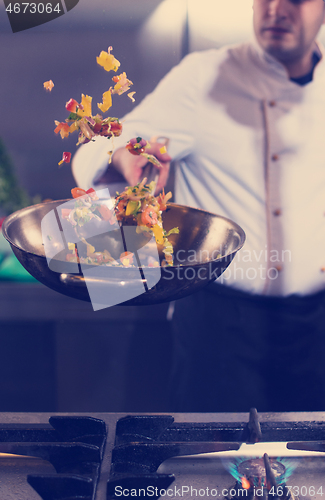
[[74, 445], [144, 442]]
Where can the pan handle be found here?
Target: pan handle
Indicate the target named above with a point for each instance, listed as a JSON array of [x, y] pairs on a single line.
[[77, 280]]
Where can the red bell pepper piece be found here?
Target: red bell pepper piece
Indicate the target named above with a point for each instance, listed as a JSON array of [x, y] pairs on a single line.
[[105, 212], [72, 105], [76, 192], [66, 157]]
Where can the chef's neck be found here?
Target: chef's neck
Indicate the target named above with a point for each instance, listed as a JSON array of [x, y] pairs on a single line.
[[298, 67]]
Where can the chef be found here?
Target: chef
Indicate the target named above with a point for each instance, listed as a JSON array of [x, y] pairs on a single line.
[[246, 127]]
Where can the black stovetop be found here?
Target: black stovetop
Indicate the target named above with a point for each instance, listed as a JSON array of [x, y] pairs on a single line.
[[99, 456]]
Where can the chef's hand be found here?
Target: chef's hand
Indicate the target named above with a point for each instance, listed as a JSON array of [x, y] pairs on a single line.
[[131, 166]]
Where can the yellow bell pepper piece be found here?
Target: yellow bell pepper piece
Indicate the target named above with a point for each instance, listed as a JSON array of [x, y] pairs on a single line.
[[107, 102], [82, 212], [90, 249], [73, 127], [86, 103], [131, 207], [158, 234], [108, 61]]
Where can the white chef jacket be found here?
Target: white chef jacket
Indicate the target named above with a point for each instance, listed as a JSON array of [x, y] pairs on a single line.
[[249, 145]]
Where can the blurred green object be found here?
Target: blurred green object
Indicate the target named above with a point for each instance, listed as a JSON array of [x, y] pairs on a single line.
[[12, 198], [10, 267]]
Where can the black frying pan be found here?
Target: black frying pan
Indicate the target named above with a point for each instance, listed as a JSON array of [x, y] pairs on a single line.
[[203, 249]]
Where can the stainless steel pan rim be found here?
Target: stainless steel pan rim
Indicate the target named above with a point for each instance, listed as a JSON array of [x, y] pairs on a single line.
[[22, 230]]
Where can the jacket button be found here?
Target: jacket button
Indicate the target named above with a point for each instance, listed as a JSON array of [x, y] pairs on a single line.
[[277, 211], [322, 269], [278, 268], [274, 157], [272, 104]]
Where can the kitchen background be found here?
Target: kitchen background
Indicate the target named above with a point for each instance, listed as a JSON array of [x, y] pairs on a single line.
[[56, 354]]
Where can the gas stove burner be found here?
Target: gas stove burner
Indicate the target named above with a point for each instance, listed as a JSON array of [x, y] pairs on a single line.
[[254, 471], [261, 477], [258, 469]]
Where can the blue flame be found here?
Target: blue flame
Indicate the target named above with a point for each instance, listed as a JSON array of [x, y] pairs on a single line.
[[290, 466], [232, 464]]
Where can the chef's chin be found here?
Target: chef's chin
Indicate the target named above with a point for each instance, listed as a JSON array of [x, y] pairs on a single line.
[[279, 48]]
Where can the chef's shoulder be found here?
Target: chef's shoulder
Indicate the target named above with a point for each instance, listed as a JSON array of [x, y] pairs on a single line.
[[210, 60]]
